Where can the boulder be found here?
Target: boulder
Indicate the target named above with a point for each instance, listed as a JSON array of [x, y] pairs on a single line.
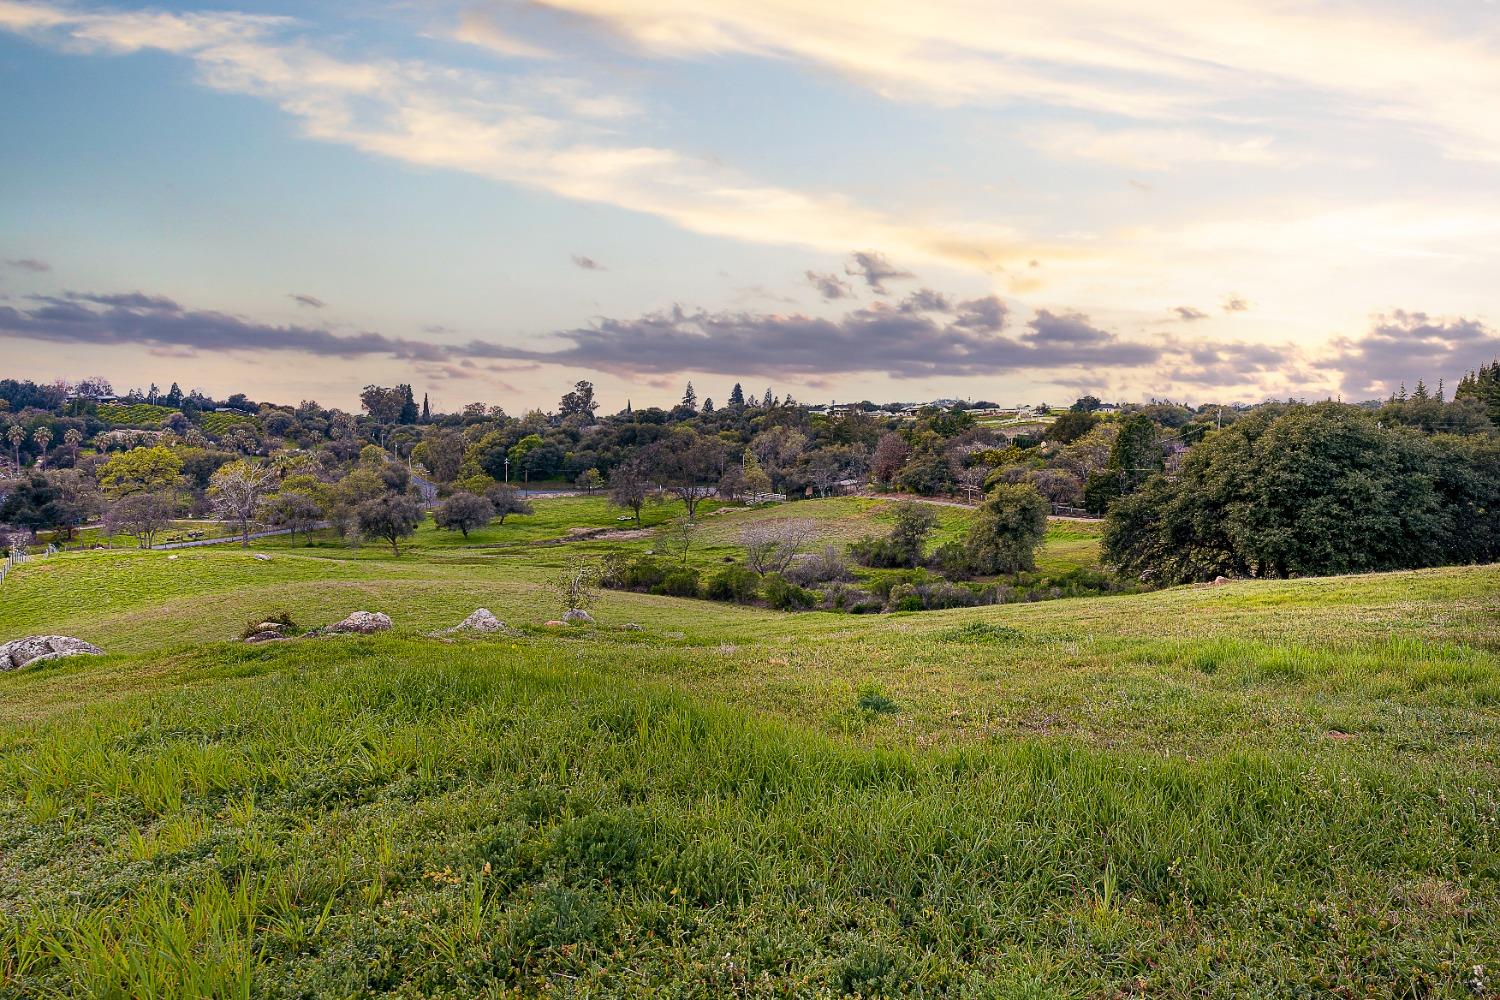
[[633, 627], [1219, 581], [577, 616], [268, 635], [262, 557], [482, 620], [360, 623], [554, 623], [40, 648]]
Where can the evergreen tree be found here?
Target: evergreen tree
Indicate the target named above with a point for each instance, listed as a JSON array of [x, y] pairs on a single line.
[[737, 397], [690, 398], [173, 398], [708, 405], [1421, 390], [769, 401], [409, 412], [426, 410]]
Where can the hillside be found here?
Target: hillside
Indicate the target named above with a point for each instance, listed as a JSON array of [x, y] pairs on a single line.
[[1260, 789]]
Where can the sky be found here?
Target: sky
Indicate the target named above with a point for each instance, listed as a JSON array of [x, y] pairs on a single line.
[[884, 200]]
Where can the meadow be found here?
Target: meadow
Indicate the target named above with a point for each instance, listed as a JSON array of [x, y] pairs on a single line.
[[1262, 789]]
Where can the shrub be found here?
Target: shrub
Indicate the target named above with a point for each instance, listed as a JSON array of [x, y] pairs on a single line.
[[838, 596], [820, 567], [678, 582], [733, 583], [282, 618], [783, 595], [906, 542], [937, 595]]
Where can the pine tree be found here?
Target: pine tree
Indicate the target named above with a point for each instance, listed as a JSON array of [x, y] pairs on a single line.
[[708, 405], [426, 410], [737, 397], [769, 401], [1421, 391], [690, 398]]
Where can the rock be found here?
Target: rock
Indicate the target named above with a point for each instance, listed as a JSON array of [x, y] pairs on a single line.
[[269, 635], [262, 557], [578, 616], [40, 648], [633, 627], [271, 627], [554, 623], [360, 623], [482, 620], [170, 558], [1219, 581]]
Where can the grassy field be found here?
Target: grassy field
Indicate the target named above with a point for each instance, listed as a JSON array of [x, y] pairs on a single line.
[[1265, 789]]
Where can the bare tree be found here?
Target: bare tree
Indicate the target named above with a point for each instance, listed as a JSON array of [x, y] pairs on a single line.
[[143, 515], [688, 464], [677, 539], [236, 491], [770, 546], [630, 487], [577, 585]]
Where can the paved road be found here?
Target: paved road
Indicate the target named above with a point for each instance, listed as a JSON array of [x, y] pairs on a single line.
[[230, 538]]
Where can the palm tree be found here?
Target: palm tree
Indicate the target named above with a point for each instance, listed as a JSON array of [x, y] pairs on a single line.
[[73, 437], [42, 437], [17, 434]]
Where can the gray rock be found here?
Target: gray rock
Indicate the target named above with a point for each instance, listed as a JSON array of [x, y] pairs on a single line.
[[360, 623], [482, 620], [577, 616], [269, 635], [633, 627], [262, 557], [40, 648]]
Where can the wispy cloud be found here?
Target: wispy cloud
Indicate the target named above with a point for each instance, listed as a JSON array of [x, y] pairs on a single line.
[[830, 286], [1235, 304], [311, 301], [30, 264], [1432, 75], [1154, 148], [1188, 314], [550, 133], [587, 263], [875, 269]]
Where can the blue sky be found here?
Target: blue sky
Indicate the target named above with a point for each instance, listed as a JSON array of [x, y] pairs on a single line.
[[490, 200]]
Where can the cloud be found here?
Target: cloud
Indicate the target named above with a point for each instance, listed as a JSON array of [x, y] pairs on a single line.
[[477, 27], [311, 301], [903, 341], [830, 286], [548, 133], [987, 313], [1405, 346], [1188, 314], [1153, 148], [1426, 70], [926, 300], [1235, 304], [588, 263], [30, 264], [135, 319], [875, 269]]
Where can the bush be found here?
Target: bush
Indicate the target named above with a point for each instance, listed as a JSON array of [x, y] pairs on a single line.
[[820, 567], [282, 618], [783, 595], [839, 596], [732, 583], [678, 582], [937, 595], [906, 542]]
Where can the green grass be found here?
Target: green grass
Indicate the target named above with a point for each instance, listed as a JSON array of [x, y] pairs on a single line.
[[1266, 789], [219, 423]]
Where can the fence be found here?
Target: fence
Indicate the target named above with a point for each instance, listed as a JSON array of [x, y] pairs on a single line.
[[19, 555]]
